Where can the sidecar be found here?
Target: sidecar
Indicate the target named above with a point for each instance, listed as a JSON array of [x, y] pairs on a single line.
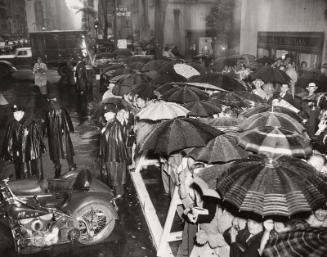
[[88, 200]]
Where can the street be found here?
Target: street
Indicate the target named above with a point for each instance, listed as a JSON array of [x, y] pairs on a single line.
[[130, 236]]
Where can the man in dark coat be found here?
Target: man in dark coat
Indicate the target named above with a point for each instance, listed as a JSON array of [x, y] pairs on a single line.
[[112, 151], [59, 127], [24, 146]]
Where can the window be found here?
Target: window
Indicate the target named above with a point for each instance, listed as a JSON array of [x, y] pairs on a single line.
[[22, 53]]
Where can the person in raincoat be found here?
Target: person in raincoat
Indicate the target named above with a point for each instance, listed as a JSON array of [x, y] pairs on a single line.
[[59, 126], [40, 75], [112, 150], [24, 146]]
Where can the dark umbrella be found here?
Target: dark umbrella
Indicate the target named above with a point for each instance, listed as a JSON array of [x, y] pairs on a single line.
[[223, 148], [228, 99], [161, 66], [145, 91], [306, 242], [281, 187], [167, 78], [122, 52], [202, 108], [177, 134], [266, 108], [220, 80], [132, 80], [265, 60], [271, 75], [135, 65], [109, 70], [184, 95], [274, 119], [274, 141]]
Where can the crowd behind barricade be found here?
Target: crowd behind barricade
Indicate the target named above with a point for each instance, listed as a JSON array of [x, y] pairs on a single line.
[[212, 226]]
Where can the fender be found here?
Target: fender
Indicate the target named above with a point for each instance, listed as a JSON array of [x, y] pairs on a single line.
[[78, 199], [9, 64]]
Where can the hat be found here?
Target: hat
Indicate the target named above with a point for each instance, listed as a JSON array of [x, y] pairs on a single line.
[[17, 108], [312, 84]]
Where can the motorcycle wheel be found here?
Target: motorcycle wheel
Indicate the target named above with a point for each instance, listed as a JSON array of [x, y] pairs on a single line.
[[95, 222]]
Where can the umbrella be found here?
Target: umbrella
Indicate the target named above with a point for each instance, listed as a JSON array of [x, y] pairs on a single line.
[[205, 86], [132, 80], [222, 148], [266, 108], [184, 94], [161, 110], [167, 78], [274, 119], [120, 90], [271, 75], [161, 66], [145, 91], [135, 65], [281, 187], [219, 80], [201, 108], [274, 141], [177, 134], [111, 68], [185, 70], [306, 242], [228, 99], [198, 85], [222, 123]]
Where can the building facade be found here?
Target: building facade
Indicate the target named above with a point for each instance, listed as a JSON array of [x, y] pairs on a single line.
[[277, 27], [13, 24]]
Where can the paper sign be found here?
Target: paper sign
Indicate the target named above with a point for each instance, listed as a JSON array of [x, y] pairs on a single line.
[[122, 43]]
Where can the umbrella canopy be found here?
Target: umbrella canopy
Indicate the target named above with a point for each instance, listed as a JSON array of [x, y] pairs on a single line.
[[161, 110], [185, 70], [205, 86], [132, 80], [228, 99], [202, 108], [271, 75], [120, 90], [145, 91], [266, 108], [222, 148], [265, 60], [274, 141], [219, 80], [280, 187], [274, 119], [184, 94], [161, 66], [222, 123], [122, 52], [306, 242], [167, 78], [177, 134]]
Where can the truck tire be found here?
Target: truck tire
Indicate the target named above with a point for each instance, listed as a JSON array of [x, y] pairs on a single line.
[[62, 70]]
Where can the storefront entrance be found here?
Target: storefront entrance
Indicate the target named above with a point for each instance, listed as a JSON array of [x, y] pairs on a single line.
[[302, 46]]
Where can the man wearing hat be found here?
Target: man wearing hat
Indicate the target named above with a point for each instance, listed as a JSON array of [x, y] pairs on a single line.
[[23, 145], [59, 126]]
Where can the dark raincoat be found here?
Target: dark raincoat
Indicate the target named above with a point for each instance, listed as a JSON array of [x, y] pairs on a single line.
[[59, 126], [113, 153], [23, 143]]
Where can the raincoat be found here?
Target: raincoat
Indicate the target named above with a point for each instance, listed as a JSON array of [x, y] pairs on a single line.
[[59, 126], [113, 153], [23, 144]]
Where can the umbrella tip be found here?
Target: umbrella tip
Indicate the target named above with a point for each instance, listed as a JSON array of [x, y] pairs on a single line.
[[270, 162]]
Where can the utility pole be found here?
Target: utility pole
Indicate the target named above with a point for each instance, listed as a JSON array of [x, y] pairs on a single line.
[[115, 23]]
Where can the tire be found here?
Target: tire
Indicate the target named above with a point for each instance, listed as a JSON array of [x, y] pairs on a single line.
[[102, 213], [62, 70]]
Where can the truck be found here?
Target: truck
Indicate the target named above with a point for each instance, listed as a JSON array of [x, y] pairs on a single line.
[[57, 47]]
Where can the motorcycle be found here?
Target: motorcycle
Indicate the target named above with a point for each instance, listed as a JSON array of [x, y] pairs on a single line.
[[73, 208]]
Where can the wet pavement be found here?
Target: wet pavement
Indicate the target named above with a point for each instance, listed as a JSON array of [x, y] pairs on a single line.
[[131, 236]]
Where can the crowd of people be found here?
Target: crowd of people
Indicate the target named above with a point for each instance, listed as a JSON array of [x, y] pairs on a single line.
[[211, 227]]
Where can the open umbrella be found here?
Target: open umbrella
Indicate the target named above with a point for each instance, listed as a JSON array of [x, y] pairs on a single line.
[[160, 66], [271, 75], [266, 108], [228, 99], [145, 91], [167, 78], [280, 187], [223, 148], [177, 134], [161, 110], [184, 94], [185, 70], [201, 108], [122, 52], [274, 141], [220, 80], [222, 123], [132, 80], [274, 119], [306, 242], [265, 60]]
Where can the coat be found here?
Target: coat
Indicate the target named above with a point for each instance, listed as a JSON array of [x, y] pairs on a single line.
[[59, 126], [40, 74], [23, 142]]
